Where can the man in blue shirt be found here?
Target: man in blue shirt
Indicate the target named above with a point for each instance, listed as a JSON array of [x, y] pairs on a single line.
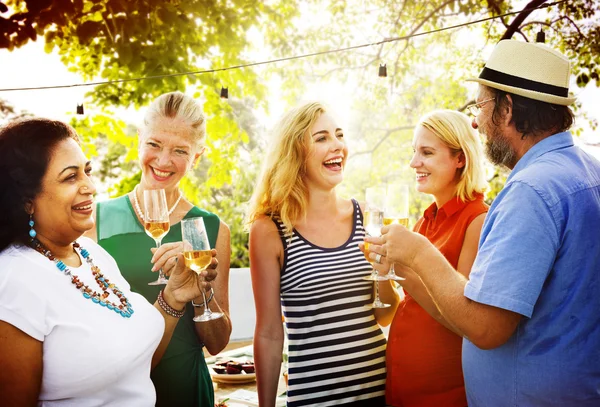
[[530, 313]]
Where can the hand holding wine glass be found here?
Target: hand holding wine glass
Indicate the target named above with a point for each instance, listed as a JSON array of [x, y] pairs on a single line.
[[198, 256], [156, 222], [396, 212], [373, 221]]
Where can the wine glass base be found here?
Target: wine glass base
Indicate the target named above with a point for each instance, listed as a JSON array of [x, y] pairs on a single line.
[[207, 317], [395, 277], [379, 304], [375, 277], [159, 281]]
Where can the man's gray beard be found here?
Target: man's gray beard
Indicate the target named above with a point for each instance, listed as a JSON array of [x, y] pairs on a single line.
[[499, 152]]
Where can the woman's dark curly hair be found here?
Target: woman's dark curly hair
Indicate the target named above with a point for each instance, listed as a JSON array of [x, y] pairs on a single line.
[[532, 117], [26, 148]]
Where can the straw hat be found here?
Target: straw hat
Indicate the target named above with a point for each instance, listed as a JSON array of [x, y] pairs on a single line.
[[532, 70]]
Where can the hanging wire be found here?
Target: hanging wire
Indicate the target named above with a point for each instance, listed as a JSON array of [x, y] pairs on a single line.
[[272, 61]]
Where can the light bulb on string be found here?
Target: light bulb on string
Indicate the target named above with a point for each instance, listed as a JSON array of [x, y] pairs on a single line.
[[224, 93], [540, 36]]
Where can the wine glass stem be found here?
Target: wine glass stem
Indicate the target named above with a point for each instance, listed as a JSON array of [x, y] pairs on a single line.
[[207, 311], [161, 275], [391, 271]]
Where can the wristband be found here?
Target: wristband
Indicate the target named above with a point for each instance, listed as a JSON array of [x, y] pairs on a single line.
[[167, 308], [209, 299]]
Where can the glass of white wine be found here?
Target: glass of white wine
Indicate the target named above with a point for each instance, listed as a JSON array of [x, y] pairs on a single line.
[[197, 255], [373, 221], [396, 212], [156, 222]]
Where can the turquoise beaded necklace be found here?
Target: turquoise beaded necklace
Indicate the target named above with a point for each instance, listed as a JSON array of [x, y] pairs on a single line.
[[124, 308]]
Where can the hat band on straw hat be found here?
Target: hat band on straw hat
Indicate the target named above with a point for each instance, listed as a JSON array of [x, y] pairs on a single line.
[[515, 81]]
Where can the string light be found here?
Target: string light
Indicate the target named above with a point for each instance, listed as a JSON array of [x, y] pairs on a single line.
[[224, 93], [382, 71], [272, 61], [540, 36]]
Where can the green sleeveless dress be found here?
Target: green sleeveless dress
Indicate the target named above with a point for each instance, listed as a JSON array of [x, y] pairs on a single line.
[[181, 378]]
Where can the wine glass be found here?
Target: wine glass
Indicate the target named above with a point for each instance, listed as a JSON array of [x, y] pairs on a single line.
[[197, 255], [396, 211], [156, 222], [373, 221]]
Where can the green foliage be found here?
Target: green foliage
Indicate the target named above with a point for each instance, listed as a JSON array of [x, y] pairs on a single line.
[[122, 40]]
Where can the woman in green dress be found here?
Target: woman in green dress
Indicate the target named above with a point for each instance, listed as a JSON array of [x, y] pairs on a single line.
[[171, 141]]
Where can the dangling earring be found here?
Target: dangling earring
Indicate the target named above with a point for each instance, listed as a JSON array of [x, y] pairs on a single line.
[[32, 232]]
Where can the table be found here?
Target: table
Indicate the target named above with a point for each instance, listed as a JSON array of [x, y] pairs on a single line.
[[223, 390]]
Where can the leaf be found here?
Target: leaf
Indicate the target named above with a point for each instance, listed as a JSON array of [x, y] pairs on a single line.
[[87, 31]]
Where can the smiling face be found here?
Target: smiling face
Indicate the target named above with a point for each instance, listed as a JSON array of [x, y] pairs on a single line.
[[167, 150], [62, 211], [327, 157], [436, 165]]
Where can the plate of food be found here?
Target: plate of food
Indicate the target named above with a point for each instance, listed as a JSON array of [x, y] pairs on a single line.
[[233, 371]]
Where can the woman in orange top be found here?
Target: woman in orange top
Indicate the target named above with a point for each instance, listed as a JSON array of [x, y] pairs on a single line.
[[423, 353]]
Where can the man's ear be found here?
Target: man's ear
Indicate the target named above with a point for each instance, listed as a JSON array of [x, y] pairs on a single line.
[[508, 108]]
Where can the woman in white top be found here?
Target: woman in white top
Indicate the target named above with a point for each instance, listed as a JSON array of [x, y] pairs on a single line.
[[71, 331]]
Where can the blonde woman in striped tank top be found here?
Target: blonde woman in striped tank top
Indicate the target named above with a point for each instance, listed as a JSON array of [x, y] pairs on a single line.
[[305, 261]]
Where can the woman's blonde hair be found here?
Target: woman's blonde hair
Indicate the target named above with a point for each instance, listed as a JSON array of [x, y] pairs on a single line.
[[281, 189], [454, 129], [178, 106]]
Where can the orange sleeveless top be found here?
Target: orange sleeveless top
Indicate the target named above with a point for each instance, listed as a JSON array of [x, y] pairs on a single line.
[[423, 357]]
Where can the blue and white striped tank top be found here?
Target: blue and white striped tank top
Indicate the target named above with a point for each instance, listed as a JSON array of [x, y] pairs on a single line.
[[336, 353]]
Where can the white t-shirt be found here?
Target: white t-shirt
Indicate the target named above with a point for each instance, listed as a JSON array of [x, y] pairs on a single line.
[[92, 356]]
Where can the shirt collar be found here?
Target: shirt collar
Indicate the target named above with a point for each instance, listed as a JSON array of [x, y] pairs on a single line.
[[449, 208], [554, 142]]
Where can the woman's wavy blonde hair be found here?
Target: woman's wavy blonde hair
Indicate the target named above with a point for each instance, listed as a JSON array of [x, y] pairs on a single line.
[[454, 129], [281, 189]]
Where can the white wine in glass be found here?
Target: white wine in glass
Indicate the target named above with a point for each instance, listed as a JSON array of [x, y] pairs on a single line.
[[197, 260], [396, 212], [373, 222], [156, 222], [198, 255]]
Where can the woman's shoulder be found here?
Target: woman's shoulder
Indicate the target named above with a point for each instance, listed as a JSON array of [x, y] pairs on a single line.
[[263, 224], [14, 254], [113, 203], [200, 212], [477, 205]]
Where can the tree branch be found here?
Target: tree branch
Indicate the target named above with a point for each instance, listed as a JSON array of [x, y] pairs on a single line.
[[514, 26], [387, 134]]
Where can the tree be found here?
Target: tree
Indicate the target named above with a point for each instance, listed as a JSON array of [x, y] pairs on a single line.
[[119, 40]]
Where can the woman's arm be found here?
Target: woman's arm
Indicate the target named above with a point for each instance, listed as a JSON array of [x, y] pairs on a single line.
[[266, 258], [215, 334], [21, 367]]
